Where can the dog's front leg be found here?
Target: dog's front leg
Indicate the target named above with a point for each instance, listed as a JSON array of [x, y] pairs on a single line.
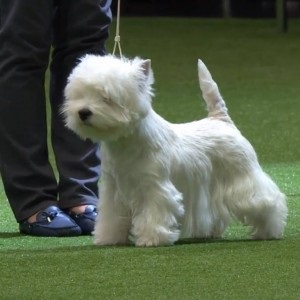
[[155, 218], [113, 222]]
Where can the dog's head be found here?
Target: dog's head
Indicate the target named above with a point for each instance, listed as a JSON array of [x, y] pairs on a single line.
[[106, 97]]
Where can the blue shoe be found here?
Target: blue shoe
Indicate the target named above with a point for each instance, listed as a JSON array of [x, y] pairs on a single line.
[[51, 222], [86, 221]]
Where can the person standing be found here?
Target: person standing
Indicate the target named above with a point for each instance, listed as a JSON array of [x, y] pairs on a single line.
[[42, 204]]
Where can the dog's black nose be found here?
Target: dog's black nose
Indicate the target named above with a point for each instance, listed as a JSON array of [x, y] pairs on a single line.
[[84, 114]]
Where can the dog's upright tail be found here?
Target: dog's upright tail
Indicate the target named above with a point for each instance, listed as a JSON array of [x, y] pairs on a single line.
[[215, 104]]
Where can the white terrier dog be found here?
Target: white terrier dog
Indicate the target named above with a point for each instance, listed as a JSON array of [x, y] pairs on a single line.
[[162, 181]]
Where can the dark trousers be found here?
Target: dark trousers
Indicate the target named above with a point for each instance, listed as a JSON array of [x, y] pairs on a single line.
[[28, 29]]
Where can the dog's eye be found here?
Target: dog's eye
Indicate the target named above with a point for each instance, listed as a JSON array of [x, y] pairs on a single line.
[[107, 100]]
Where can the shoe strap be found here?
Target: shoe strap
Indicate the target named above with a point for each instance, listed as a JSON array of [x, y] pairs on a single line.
[[48, 216]]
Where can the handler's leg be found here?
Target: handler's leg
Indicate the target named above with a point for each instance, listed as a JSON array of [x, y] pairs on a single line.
[[80, 27], [28, 178]]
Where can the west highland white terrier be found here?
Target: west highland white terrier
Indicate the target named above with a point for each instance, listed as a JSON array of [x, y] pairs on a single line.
[[162, 181]]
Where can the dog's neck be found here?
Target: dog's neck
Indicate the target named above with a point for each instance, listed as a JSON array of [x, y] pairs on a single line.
[[149, 131]]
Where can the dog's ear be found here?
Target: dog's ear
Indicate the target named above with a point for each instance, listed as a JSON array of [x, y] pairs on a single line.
[[143, 74], [146, 67]]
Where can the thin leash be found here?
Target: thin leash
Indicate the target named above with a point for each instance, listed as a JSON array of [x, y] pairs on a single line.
[[117, 36]]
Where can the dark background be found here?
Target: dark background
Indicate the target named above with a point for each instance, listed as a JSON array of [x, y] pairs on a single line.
[[205, 8]]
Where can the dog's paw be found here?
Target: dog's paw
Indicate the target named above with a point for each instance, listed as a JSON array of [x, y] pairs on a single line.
[[110, 242], [156, 240], [151, 243]]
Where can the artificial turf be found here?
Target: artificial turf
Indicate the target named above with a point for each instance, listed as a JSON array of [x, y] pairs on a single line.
[[258, 72]]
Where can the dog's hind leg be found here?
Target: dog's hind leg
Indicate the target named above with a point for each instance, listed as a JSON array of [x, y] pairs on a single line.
[[198, 221], [257, 202], [268, 217]]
